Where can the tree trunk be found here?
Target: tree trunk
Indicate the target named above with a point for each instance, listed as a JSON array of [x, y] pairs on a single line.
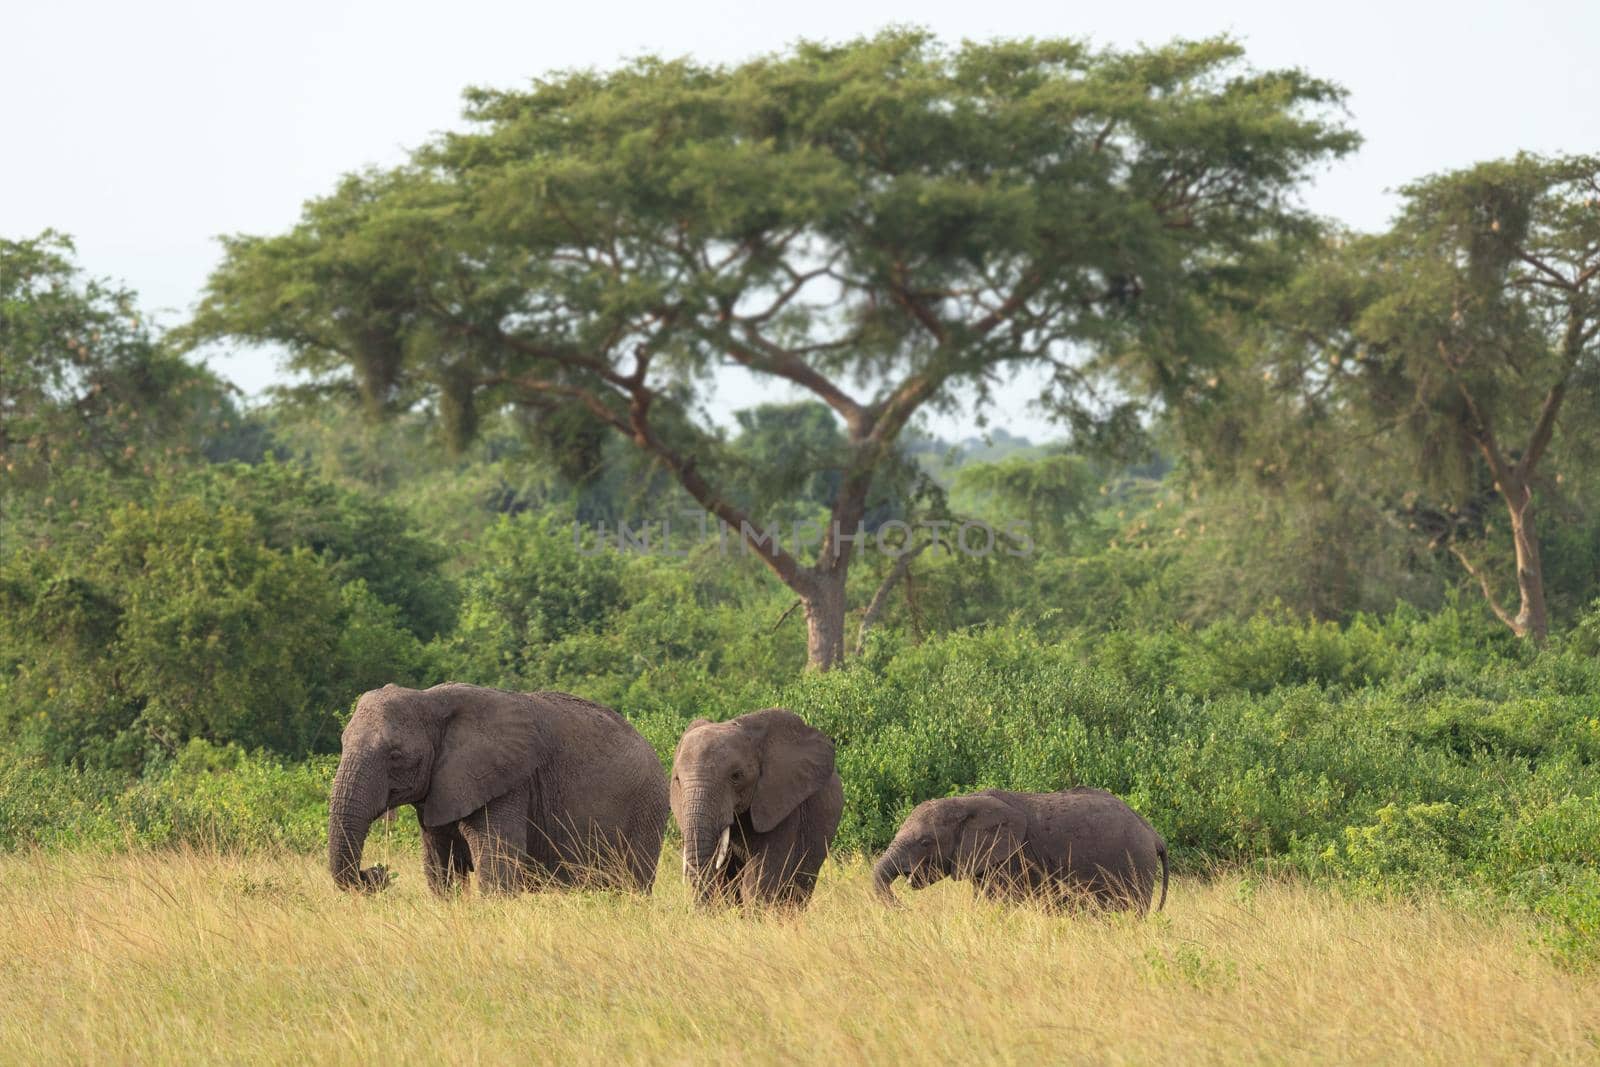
[[824, 607], [1532, 619]]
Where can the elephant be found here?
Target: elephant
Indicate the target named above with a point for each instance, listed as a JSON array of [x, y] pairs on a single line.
[[758, 800], [1077, 846], [525, 788]]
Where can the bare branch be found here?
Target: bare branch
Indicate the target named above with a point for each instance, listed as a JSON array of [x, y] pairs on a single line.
[[550, 387], [639, 429], [783, 299], [1544, 429], [762, 355], [1556, 277], [1018, 298], [1484, 432], [880, 599], [1483, 583], [786, 613]]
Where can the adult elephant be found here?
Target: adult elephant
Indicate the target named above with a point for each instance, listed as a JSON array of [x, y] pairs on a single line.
[[758, 801], [1078, 845], [520, 786]]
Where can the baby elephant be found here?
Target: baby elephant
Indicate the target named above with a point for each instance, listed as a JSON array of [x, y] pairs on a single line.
[[758, 800], [1078, 845]]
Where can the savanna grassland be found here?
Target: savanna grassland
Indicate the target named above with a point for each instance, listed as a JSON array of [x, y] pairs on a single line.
[[1308, 572], [186, 957]]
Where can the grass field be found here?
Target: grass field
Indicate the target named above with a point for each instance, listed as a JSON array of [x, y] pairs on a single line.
[[190, 958]]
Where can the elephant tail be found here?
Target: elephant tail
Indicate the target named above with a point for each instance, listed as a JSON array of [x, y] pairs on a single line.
[[1161, 850]]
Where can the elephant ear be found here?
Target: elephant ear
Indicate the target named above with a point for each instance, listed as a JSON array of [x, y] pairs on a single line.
[[796, 761], [991, 833], [489, 745]]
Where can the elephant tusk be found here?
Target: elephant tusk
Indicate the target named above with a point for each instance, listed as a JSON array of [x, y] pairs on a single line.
[[720, 859]]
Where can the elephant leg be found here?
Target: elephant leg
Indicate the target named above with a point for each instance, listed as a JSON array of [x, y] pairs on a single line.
[[643, 845], [801, 882], [445, 859], [791, 856], [1009, 882], [784, 871], [460, 855], [497, 835], [439, 858], [992, 888], [549, 835], [604, 858], [547, 851]]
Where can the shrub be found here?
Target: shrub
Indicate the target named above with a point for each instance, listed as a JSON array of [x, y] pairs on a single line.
[[178, 620]]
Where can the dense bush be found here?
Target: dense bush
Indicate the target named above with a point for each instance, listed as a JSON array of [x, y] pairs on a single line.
[[202, 611], [206, 797], [359, 537], [657, 635]]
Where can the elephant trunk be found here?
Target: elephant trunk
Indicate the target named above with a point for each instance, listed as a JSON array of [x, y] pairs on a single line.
[[359, 796], [889, 867], [707, 833]]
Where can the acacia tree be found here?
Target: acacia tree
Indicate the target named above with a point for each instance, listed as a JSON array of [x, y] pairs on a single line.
[[874, 224], [85, 382], [1431, 369]]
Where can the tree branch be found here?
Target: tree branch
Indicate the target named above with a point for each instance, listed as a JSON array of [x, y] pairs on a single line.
[[1484, 434], [771, 359], [896, 410], [924, 315], [880, 599], [1544, 429], [636, 426], [771, 551], [1483, 583]]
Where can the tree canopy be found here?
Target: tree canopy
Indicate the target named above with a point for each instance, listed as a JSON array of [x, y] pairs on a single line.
[[86, 382], [873, 223], [1432, 368]]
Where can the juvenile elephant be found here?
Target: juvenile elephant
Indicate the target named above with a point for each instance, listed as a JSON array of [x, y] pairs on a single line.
[[758, 800], [1076, 845], [520, 786]]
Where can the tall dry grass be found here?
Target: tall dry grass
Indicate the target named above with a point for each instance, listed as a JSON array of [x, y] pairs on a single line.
[[191, 958]]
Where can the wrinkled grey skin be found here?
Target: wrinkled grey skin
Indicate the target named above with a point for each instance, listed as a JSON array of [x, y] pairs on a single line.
[[758, 801], [1079, 846], [524, 788]]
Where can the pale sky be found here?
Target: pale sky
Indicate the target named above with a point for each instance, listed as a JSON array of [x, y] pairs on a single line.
[[144, 130]]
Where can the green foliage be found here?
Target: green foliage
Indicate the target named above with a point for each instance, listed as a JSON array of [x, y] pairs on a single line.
[[888, 213], [206, 797], [1054, 495], [593, 202], [536, 581], [789, 459], [87, 383], [547, 607], [357, 535], [1439, 378], [219, 608]]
